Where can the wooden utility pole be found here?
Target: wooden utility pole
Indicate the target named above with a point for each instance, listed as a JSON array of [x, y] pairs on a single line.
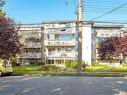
[[42, 44], [79, 26]]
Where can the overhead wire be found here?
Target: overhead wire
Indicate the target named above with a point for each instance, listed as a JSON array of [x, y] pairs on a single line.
[[109, 11], [76, 6], [101, 7]]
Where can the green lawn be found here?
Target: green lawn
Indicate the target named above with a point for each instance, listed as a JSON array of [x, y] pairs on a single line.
[[106, 69], [100, 71], [95, 68], [23, 70]]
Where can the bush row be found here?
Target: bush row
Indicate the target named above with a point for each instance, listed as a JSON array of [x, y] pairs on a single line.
[[34, 63]]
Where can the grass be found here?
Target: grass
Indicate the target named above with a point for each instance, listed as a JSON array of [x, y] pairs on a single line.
[[95, 68], [118, 69], [27, 68], [22, 70], [98, 71], [106, 69]]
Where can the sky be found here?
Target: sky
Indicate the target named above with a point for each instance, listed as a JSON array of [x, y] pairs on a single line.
[[36, 11]]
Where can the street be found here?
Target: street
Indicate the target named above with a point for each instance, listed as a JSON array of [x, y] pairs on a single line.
[[57, 85]]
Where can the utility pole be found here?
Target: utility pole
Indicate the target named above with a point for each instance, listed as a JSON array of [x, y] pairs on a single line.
[[42, 44], [79, 26]]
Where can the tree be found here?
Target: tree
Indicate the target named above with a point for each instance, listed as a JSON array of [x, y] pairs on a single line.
[[10, 45], [2, 13], [2, 2], [112, 48]]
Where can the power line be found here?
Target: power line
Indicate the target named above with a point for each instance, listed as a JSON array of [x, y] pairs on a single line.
[[75, 4], [102, 11], [109, 22], [110, 11], [103, 7]]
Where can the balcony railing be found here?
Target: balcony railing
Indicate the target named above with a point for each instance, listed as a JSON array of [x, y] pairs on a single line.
[[61, 55], [32, 45], [60, 43], [30, 55], [60, 30], [37, 35]]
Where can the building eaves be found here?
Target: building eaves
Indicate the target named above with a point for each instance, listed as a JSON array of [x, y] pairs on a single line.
[[58, 21], [107, 26], [35, 25]]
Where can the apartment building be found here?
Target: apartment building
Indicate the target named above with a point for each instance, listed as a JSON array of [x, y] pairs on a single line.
[[92, 35], [102, 32], [59, 41], [55, 42], [124, 31], [32, 38]]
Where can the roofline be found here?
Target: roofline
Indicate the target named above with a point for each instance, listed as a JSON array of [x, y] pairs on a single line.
[[29, 24], [107, 26], [58, 21]]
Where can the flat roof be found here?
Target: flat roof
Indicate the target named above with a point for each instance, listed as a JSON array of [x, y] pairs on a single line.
[[57, 21], [107, 26], [37, 25]]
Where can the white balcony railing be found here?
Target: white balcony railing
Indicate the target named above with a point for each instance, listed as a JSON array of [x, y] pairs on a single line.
[[29, 35], [32, 45], [61, 55], [30, 55], [63, 43], [61, 31]]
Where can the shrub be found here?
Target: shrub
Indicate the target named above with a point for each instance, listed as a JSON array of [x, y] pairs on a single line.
[[95, 63], [51, 68], [83, 67], [38, 63], [71, 65]]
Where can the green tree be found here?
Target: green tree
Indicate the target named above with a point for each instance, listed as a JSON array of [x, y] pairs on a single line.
[[2, 13]]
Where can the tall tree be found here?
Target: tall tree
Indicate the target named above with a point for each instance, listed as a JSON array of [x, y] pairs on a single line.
[[10, 45], [114, 47], [2, 2]]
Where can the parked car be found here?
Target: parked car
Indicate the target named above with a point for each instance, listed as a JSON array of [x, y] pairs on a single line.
[[5, 67]]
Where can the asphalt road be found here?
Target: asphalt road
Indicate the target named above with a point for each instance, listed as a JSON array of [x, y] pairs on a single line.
[[18, 85]]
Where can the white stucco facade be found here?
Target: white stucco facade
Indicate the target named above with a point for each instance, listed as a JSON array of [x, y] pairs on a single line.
[[87, 43]]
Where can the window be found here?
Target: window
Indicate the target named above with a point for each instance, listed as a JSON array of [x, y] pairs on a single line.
[[59, 49], [33, 39], [63, 29], [67, 25], [26, 51], [68, 49], [64, 37]]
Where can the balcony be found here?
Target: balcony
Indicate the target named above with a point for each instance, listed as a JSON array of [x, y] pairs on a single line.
[[60, 43], [32, 45], [30, 55], [60, 31], [61, 55], [34, 35]]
